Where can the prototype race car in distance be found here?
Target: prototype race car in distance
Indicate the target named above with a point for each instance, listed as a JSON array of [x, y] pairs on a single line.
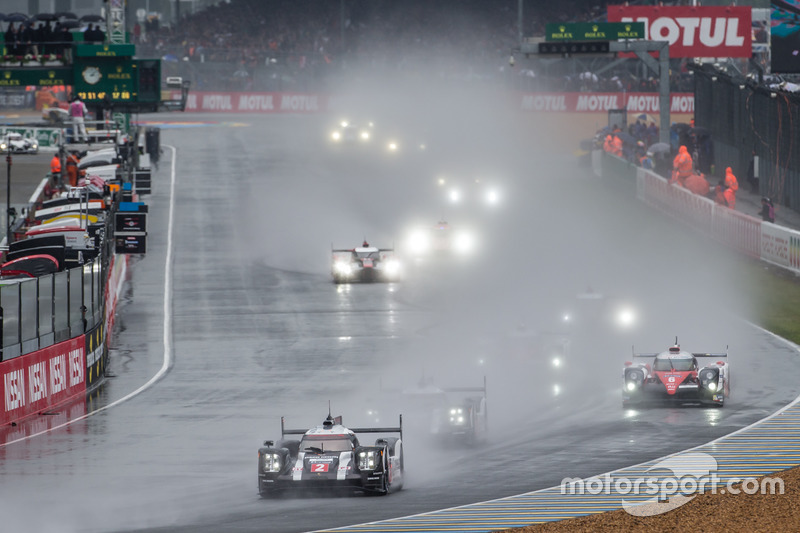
[[440, 240], [453, 415], [474, 192], [349, 133], [675, 376], [365, 263], [17, 144], [330, 456]]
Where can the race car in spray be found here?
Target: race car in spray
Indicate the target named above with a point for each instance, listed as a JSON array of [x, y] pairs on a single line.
[[15, 143], [450, 415], [440, 240], [675, 376], [364, 263], [348, 132], [331, 456]]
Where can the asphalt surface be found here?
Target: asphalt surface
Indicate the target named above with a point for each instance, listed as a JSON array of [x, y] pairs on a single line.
[[258, 331]]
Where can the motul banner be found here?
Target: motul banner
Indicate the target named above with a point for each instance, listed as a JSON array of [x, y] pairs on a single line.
[[39, 380], [693, 31], [638, 103], [236, 102]]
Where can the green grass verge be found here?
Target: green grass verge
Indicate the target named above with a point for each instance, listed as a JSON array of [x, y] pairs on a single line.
[[775, 294]]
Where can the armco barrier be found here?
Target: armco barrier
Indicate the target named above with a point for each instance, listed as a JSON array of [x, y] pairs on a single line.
[[749, 235]]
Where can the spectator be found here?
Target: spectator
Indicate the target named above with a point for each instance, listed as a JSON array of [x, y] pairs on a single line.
[[681, 166], [55, 165], [730, 180], [646, 161], [723, 195], [698, 184], [12, 41], [767, 209], [616, 145], [77, 111]]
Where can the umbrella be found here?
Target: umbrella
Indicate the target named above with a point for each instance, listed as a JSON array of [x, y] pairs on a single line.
[[658, 148], [66, 15], [92, 18], [69, 23], [44, 17], [16, 17]]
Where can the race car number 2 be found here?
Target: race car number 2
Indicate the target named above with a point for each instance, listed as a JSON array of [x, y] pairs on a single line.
[[319, 467]]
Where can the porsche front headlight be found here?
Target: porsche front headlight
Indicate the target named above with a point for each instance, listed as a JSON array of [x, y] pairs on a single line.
[[368, 460], [272, 462], [364, 135], [336, 135]]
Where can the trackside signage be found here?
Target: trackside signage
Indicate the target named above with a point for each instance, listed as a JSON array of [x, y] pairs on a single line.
[[647, 103], [236, 102], [693, 31], [34, 382]]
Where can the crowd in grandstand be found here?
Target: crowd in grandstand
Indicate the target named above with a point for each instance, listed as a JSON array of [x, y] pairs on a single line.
[[260, 40]]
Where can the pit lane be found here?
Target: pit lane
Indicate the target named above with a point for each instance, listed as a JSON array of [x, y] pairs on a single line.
[[260, 332]]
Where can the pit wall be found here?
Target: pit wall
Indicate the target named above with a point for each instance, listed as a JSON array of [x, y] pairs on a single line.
[[772, 243], [40, 381]]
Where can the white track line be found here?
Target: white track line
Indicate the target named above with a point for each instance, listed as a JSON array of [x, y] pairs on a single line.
[[167, 322], [794, 402]]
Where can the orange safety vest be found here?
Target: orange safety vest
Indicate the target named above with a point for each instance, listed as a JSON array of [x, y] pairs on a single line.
[[730, 180], [55, 165]]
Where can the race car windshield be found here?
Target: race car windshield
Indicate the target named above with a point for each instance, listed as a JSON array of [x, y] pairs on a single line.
[[370, 255], [681, 365], [327, 445]]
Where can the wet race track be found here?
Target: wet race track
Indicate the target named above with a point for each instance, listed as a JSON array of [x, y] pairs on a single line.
[[257, 330]]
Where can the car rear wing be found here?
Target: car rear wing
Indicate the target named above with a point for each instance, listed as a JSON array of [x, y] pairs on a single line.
[[398, 429], [338, 420], [725, 354], [469, 389]]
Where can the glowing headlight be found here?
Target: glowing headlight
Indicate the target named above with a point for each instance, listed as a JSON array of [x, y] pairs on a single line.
[[455, 196], [392, 146], [3, 146], [344, 123], [556, 362], [342, 268], [392, 267], [336, 135], [712, 386], [463, 243], [492, 197], [364, 135], [367, 460], [419, 242], [626, 317], [631, 385], [272, 462]]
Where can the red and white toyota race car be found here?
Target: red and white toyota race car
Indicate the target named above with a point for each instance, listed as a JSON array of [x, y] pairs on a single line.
[[676, 377], [364, 263]]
